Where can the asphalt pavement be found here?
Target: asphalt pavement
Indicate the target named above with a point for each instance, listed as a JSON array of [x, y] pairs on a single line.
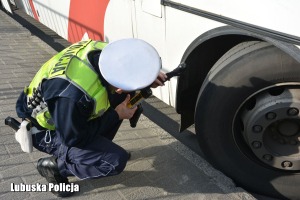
[[161, 166]]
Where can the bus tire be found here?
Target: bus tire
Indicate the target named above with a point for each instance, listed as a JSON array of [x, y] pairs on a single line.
[[247, 119]]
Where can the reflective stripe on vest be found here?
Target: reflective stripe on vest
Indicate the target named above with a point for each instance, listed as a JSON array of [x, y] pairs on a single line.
[[66, 65]]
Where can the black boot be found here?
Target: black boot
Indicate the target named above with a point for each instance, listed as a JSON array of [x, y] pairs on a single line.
[[47, 167]]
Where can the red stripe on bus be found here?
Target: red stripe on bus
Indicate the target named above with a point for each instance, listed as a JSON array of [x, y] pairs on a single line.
[[33, 10], [86, 17]]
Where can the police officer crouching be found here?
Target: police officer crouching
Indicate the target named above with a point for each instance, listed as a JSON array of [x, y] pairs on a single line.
[[76, 103]]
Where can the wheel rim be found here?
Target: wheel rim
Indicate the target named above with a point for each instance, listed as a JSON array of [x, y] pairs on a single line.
[[270, 126]]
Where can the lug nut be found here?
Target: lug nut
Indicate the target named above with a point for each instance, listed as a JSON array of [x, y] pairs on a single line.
[[292, 111], [286, 164], [270, 116], [257, 128], [256, 144], [268, 157]]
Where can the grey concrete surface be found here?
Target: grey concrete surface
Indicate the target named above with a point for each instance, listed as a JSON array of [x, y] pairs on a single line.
[[161, 167]]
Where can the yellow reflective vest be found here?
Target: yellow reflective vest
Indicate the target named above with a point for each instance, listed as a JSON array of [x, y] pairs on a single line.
[[72, 64]]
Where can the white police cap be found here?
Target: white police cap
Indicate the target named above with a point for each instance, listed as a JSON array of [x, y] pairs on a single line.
[[129, 64]]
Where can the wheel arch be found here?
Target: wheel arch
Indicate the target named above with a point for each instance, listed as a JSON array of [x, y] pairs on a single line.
[[200, 57]]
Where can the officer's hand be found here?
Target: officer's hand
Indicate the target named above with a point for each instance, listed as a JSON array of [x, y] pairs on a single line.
[[123, 111], [159, 81]]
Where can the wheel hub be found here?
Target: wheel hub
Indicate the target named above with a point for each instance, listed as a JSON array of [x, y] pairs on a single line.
[[272, 128], [288, 128]]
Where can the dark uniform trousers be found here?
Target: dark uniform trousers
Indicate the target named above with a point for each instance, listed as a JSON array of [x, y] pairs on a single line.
[[100, 158]]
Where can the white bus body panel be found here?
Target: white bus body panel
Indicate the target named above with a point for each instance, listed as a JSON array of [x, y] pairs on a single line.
[[182, 29], [168, 29], [278, 15], [118, 20], [54, 14]]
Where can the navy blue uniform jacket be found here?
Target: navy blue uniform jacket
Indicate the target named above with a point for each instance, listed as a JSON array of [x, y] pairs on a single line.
[[70, 115]]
